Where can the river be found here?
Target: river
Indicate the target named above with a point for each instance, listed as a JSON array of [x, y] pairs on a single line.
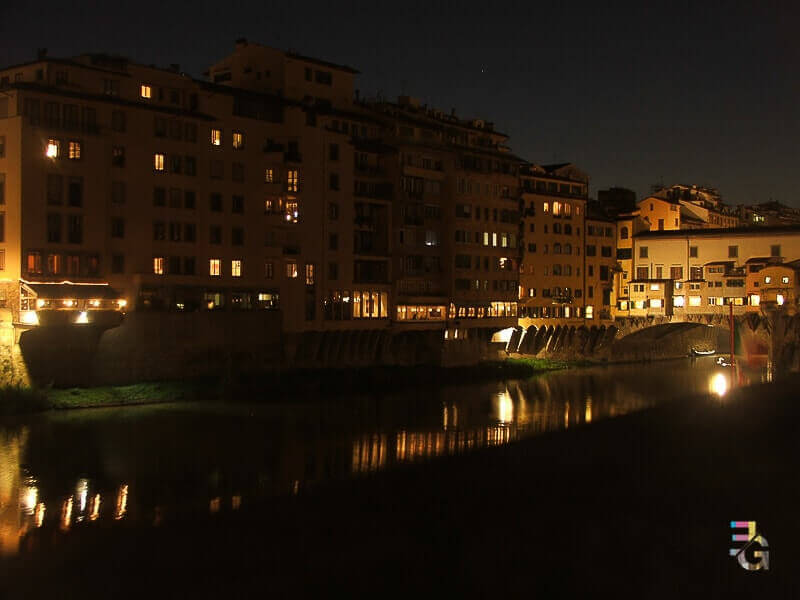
[[142, 465]]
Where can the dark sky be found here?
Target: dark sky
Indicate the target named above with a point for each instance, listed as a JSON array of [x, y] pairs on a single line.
[[635, 94]]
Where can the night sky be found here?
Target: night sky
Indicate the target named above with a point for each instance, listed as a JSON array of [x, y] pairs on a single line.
[[635, 94]]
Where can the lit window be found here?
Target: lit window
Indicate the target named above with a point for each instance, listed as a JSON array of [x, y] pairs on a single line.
[[236, 268], [546, 207], [654, 286], [291, 269], [238, 140], [53, 148], [679, 301], [158, 265], [309, 274], [292, 180], [779, 299], [755, 299], [292, 211], [767, 279], [214, 267], [269, 176], [158, 161], [694, 300], [216, 137], [589, 312], [74, 150], [623, 304], [784, 279], [655, 303], [146, 91], [556, 212]]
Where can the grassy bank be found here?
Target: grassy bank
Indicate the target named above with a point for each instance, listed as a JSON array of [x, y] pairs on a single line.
[[277, 385]]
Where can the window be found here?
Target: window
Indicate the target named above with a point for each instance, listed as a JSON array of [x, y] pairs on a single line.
[[118, 156], [237, 204], [190, 163], [775, 250], [292, 180], [158, 161], [118, 120], [117, 263], [215, 234], [676, 272], [333, 211], [175, 162], [333, 241], [334, 181], [160, 127], [238, 140], [291, 269], [145, 91], [117, 227], [75, 191], [33, 262], [53, 228], [237, 171], [159, 196], [236, 268], [75, 229], [237, 236], [733, 251], [2, 146], [216, 137], [642, 251], [158, 265], [55, 184], [309, 274], [692, 251], [269, 176], [118, 192], [74, 150], [216, 202], [190, 132], [768, 279], [214, 267], [333, 271], [53, 148], [217, 169], [159, 231], [784, 279], [269, 269]]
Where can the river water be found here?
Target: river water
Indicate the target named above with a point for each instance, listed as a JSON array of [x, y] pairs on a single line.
[[66, 470]]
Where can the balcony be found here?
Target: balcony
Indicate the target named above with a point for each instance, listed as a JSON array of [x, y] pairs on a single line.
[[369, 170]]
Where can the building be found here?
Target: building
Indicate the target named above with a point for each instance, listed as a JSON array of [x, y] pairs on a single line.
[[687, 207], [768, 213], [552, 273], [701, 272], [600, 265], [271, 185]]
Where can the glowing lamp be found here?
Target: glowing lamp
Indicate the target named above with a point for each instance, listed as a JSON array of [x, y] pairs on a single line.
[[29, 317], [69, 303], [122, 303], [95, 303], [82, 317]]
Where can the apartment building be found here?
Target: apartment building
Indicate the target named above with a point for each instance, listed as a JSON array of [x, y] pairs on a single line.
[[704, 271], [600, 266], [268, 186], [687, 207], [552, 274]]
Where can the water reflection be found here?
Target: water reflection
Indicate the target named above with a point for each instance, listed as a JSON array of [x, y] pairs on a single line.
[[61, 472]]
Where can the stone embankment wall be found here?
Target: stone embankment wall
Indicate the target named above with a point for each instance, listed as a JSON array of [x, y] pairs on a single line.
[[151, 346]]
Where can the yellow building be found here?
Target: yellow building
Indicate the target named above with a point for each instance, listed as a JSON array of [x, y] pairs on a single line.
[[552, 274]]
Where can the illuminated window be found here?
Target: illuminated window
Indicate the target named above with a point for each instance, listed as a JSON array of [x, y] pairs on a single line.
[[292, 180], [694, 300], [216, 137], [74, 150], [236, 268], [309, 274], [291, 269], [654, 286], [623, 304], [292, 211], [269, 269], [53, 148], [145, 91], [546, 207], [779, 299], [767, 279], [755, 299], [557, 212], [679, 301], [158, 161], [238, 140], [784, 279], [655, 303], [214, 266], [589, 312], [158, 265], [269, 176]]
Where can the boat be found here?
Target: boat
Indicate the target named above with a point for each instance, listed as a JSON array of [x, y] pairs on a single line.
[[696, 352]]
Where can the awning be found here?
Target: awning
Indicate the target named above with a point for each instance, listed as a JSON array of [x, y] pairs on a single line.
[[76, 291]]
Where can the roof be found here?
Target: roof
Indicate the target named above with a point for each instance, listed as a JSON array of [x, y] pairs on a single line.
[[322, 63], [81, 291], [719, 262], [761, 230]]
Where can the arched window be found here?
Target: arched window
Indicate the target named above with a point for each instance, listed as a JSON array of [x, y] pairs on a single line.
[[556, 248], [623, 233], [567, 248]]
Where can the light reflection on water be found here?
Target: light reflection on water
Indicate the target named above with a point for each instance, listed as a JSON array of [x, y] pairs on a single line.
[[60, 471]]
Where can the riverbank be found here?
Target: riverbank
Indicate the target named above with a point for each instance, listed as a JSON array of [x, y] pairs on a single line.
[[295, 384], [639, 505]]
